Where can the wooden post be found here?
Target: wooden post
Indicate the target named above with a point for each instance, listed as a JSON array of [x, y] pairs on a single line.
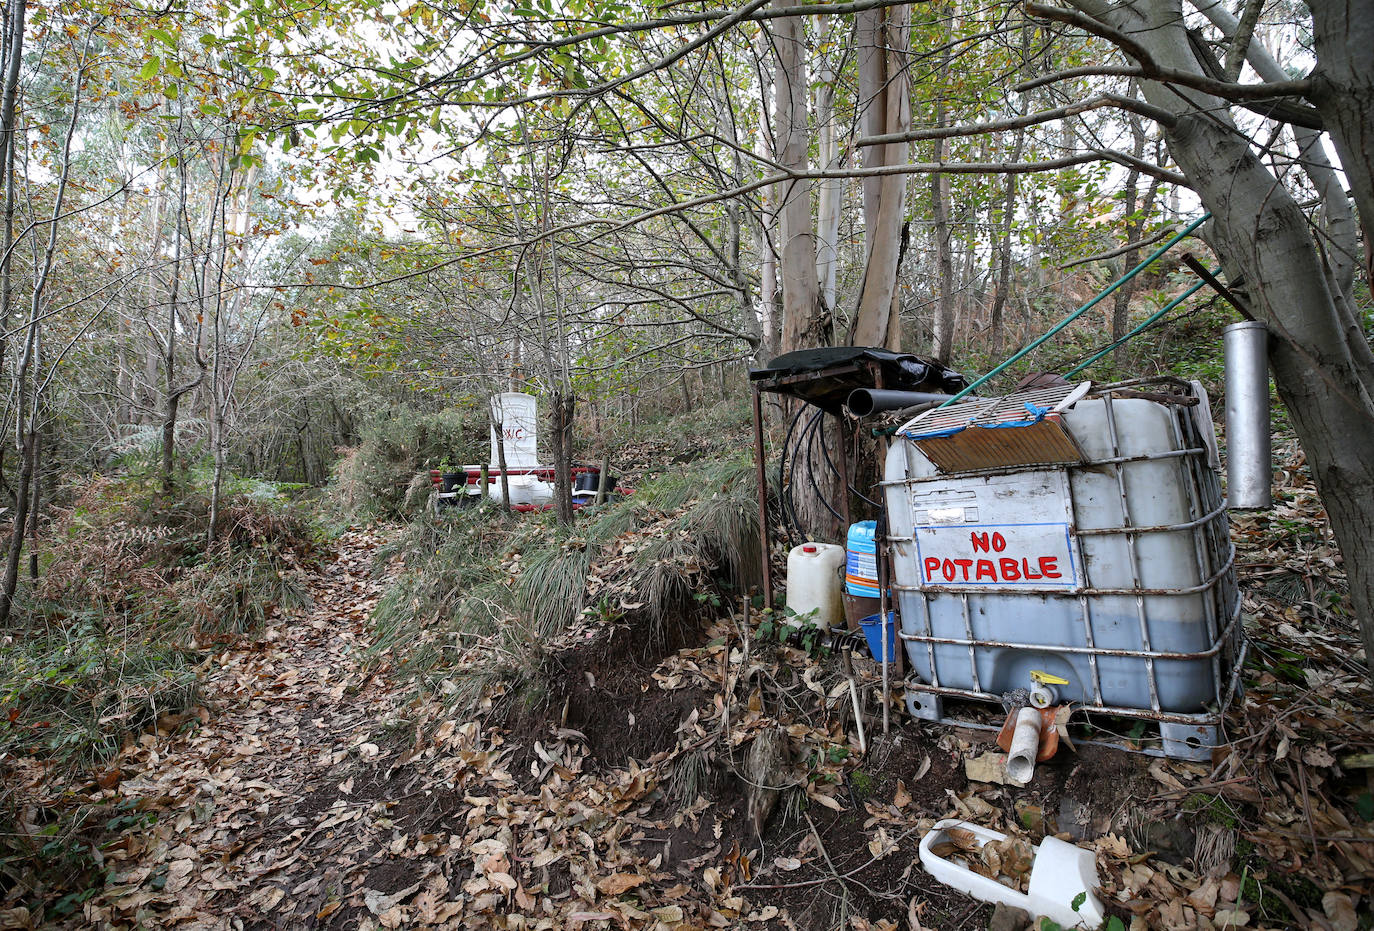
[[603, 471]]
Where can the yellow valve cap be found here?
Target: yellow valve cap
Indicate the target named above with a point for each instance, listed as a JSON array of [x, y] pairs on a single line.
[[1044, 678]]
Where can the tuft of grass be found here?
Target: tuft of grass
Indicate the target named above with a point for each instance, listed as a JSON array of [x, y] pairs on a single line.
[[78, 694], [233, 594], [693, 774], [713, 535], [553, 585], [453, 584]]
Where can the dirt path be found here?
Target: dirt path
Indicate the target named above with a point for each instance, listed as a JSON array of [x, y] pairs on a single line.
[[221, 821]]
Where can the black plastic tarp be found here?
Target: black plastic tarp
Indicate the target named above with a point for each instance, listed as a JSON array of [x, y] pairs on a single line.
[[838, 370]]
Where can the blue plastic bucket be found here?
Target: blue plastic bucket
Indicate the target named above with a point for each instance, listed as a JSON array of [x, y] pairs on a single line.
[[861, 560], [870, 627]]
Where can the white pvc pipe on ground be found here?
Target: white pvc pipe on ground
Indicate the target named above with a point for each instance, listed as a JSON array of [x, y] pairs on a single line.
[[1025, 746]]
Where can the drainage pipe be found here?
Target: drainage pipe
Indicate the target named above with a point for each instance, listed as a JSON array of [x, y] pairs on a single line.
[[1025, 746], [865, 402]]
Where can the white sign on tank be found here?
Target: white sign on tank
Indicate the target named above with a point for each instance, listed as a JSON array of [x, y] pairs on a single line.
[[516, 416], [994, 533]]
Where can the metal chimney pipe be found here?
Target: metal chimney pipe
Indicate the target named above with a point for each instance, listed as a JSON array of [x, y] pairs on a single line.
[[864, 402], [1249, 454]]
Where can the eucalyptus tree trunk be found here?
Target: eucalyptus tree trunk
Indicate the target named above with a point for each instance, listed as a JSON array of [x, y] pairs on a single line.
[[804, 321], [13, 51], [769, 322], [829, 190], [132, 395], [727, 126], [209, 284], [561, 412], [501, 464], [943, 341], [173, 394], [884, 91], [1138, 211], [1002, 250], [235, 212]]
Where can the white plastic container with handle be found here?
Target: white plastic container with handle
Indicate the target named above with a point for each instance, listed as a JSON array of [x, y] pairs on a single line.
[[815, 580]]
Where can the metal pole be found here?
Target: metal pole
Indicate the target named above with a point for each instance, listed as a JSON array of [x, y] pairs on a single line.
[[1249, 464], [1031, 347], [844, 472], [880, 538], [763, 500]]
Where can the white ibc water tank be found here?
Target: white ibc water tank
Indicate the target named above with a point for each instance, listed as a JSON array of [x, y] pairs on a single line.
[[1111, 569], [516, 416], [815, 577]]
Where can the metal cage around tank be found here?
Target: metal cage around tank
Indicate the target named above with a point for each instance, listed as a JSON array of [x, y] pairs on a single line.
[[1148, 623]]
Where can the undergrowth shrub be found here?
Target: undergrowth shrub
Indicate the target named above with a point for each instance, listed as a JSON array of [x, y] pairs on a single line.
[[374, 478], [709, 431], [47, 850], [77, 693], [485, 597], [109, 635]]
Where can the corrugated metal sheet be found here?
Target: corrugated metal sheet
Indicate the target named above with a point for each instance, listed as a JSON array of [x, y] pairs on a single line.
[[970, 436], [1043, 443]]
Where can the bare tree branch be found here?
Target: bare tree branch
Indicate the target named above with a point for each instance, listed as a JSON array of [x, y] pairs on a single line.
[[1148, 69], [1097, 102], [1240, 42]]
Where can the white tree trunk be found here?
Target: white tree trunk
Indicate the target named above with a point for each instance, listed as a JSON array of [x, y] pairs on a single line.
[[769, 322], [829, 190], [803, 322], [1320, 366], [884, 90]]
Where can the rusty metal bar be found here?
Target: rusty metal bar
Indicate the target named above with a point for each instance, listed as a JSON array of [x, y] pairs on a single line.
[[1012, 470], [1089, 651], [1165, 717], [763, 501], [1174, 380], [1085, 613], [1185, 428], [844, 472], [1086, 651], [1158, 528], [1132, 547], [1108, 531], [972, 653], [929, 640]]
